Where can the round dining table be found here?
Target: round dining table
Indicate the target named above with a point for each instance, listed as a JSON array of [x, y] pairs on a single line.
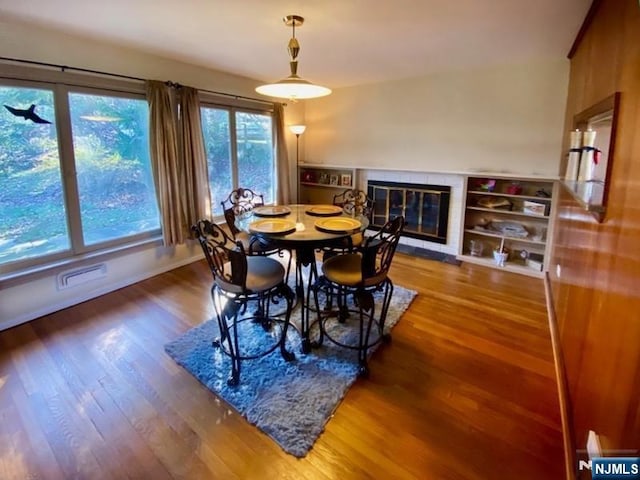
[[302, 229]]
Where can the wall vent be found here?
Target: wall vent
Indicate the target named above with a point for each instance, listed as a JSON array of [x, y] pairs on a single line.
[[78, 276]]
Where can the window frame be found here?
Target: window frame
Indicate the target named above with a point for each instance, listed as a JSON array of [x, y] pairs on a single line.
[[61, 85], [233, 108], [50, 77]]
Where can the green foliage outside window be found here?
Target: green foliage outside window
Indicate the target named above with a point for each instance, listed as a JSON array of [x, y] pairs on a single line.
[[109, 168], [32, 205], [112, 167], [254, 153]]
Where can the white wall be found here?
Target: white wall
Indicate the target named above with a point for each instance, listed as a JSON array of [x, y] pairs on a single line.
[[507, 118], [34, 43], [20, 302]]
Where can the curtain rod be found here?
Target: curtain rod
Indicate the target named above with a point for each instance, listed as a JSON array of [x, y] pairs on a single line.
[[128, 77]]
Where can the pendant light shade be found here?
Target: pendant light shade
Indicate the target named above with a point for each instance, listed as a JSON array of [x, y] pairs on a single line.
[[293, 87]]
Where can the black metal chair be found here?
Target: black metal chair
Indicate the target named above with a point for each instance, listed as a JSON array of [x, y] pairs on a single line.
[[359, 275], [237, 280], [238, 202], [353, 202]]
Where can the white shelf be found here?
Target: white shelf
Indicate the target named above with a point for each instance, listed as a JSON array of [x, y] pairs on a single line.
[[509, 195], [464, 173], [325, 185], [509, 266], [485, 233], [509, 212]]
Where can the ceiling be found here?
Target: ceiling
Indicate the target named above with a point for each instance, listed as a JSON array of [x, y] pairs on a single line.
[[343, 42]]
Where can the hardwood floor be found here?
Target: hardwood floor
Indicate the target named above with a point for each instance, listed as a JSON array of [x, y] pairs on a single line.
[[465, 391]]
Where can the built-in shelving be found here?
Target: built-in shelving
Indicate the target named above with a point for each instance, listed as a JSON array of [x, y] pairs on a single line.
[[318, 183], [510, 215]]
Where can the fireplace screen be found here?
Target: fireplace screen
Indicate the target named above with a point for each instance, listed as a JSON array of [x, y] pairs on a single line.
[[425, 208]]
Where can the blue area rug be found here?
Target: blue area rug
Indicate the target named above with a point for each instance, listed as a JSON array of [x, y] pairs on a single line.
[[290, 402]]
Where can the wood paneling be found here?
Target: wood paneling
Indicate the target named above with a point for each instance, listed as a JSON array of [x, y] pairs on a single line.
[[597, 296], [466, 390]]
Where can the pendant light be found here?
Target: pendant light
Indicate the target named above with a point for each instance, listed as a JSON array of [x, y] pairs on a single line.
[[293, 87]]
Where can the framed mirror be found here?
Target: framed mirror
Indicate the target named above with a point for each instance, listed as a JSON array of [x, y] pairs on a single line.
[[591, 154]]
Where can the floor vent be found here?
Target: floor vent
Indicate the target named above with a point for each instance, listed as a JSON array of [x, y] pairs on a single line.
[[78, 276]]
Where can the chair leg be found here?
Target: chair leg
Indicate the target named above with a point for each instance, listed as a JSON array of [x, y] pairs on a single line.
[[366, 309], [288, 296], [363, 367], [388, 293], [234, 351], [315, 289], [328, 304], [258, 313], [264, 319], [286, 277], [307, 259], [343, 310], [219, 311], [228, 323]]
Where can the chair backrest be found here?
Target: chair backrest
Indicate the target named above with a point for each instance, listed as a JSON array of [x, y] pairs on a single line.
[[378, 251], [226, 258], [239, 201], [354, 201]]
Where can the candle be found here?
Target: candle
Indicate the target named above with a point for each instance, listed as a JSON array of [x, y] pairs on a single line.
[[573, 163], [576, 139], [587, 160], [589, 138]]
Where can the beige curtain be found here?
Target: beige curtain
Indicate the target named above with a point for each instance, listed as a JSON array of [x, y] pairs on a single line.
[[282, 157], [163, 139], [195, 182]]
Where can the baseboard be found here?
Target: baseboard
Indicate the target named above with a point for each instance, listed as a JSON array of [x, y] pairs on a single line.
[[28, 316], [566, 416]]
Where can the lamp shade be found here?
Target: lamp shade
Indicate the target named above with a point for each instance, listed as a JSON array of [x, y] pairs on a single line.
[[293, 88], [297, 129]]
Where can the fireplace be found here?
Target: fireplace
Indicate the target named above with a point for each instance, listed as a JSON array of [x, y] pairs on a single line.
[[425, 208]]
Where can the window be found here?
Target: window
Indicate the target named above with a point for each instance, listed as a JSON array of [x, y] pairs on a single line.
[[239, 146], [217, 140], [32, 207], [255, 153], [75, 172], [113, 168]]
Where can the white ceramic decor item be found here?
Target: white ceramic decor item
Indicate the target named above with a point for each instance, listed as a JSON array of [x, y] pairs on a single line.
[[575, 150], [587, 160]]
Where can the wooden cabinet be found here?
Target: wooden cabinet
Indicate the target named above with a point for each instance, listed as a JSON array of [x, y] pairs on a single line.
[[319, 183], [511, 216]]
